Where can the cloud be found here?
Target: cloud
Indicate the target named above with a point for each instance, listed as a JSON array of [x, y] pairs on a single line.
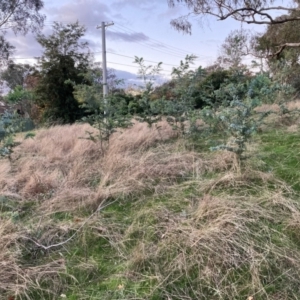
[[128, 37], [147, 5], [26, 46], [85, 11], [171, 13]]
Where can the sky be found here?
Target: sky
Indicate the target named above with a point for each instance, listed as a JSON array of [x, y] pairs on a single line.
[[141, 28]]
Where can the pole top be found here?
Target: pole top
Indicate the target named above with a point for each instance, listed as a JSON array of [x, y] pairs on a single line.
[[105, 25]]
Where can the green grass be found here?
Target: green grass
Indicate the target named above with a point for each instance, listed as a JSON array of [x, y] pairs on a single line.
[[281, 153], [241, 240]]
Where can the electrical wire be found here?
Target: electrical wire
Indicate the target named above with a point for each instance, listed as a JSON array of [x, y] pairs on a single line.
[[171, 48]]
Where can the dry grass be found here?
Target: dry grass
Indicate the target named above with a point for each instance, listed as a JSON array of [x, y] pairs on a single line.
[[223, 247], [59, 168], [62, 173], [292, 105], [16, 280], [231, 238]]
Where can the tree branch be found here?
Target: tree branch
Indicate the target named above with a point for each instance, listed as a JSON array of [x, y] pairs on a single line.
[[13, 9], [282, 47], [254, 12]]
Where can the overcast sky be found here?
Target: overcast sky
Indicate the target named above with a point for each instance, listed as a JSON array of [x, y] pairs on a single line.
[[142, 28]]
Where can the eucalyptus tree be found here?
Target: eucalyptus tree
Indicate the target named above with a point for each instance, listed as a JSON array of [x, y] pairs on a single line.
[[21, 16], [233, 50], [261, 12], [15, 74]]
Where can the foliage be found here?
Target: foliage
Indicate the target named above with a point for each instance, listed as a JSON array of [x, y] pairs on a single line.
[[6, 50], [14, 75], [106, 115], [147, 111], [204, 94], [18, 94], [240, 120], [282, 60], [90, 91], [147, 73], [10, 124], [107, 118], [270, 41], [250, 12], [64, 60], [23, 16], [233, 49]]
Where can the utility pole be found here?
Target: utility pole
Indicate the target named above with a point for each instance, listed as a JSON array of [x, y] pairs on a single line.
[[104, 69]]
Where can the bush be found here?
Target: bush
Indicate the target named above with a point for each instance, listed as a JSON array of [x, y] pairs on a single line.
[[19, 94]]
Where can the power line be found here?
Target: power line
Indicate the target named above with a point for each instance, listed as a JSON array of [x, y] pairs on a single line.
[[152, 46], [99, 52], [149, 46], [156, 62], [171, 48], [178, 51]]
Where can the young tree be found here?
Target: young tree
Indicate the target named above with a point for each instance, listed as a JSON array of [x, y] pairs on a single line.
[[64, 61], [21, 16], [233, 49]]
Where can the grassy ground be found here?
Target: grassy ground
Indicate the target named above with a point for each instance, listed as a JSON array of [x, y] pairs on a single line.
[[150, 217]]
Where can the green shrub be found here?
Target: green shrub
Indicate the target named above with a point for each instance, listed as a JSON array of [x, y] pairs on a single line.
[[19, 94]]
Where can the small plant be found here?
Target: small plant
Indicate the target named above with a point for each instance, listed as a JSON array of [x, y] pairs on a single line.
[[10, 124], [105, 114], [147, 73], [106, 119], [241, 122], [150, 111]]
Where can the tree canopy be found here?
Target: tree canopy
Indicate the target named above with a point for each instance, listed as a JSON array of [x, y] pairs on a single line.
[[262, 12], [21, 16], [15, 74], [248, 11], [64, 61]]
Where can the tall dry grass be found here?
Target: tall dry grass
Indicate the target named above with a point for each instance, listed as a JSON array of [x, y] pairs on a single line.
[[66, 172], [61, 171]]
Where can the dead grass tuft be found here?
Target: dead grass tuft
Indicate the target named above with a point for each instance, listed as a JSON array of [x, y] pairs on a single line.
[[291, 105], [127, 173], [17, 280], [140, 137], [68, 172]]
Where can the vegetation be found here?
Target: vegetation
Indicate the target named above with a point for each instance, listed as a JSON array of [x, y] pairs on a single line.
[[24, 15], [151, 217], [126, 200], [64, 61], [15, 74]]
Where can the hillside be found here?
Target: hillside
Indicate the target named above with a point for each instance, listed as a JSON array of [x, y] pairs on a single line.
[[151, 216]]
